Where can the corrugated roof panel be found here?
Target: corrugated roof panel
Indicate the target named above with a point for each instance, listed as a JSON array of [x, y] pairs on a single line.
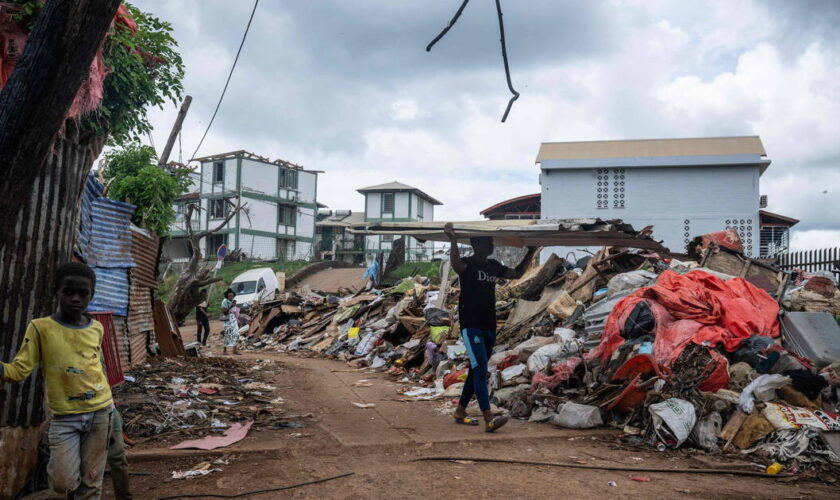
[[122, 340], [111, 291], [138, 348], [93, 190], [111, 239], [140, 316], [144, 251]]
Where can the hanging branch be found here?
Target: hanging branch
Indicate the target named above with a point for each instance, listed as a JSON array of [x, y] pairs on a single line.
[[504, 49], [448, 27], [505, 59]]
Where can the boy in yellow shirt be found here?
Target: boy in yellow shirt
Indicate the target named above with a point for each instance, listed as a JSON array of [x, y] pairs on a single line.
[[67, 345]]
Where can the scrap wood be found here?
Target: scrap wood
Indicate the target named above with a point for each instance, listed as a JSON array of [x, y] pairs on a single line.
[[736, 472]]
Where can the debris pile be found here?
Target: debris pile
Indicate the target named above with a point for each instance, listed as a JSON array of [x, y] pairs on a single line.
[[676, 353], [213, 400]]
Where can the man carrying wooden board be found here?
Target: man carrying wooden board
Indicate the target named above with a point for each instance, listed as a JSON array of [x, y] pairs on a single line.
[[477, 316]]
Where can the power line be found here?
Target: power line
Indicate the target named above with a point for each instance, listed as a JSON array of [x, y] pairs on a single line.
[[221, 97]]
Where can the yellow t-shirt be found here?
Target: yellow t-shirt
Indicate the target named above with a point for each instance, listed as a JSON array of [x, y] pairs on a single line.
[[70, 358]]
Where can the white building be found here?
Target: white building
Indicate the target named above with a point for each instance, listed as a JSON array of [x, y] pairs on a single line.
[[279, 219], [682, 187], [397, 202]]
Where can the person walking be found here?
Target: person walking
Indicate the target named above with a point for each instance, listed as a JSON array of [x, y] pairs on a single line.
[[202, 320], [229, 311], [478, 275]]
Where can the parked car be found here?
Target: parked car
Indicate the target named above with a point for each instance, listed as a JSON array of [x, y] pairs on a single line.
[[254, 284]]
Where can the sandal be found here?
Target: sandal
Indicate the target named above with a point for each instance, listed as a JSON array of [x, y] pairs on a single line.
[[496, 423], [466, 421]]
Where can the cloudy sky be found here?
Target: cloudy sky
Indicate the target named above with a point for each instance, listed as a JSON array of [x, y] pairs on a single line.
[[347, 87]]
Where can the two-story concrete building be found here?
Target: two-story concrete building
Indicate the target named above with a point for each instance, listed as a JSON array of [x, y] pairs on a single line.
[[397, 202], [278, 221], [682, 187]]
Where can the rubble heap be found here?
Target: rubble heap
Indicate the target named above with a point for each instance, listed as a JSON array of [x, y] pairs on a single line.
[[195, 397], [675, 353]]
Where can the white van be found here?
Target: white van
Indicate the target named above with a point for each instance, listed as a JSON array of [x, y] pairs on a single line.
[[254, 284]]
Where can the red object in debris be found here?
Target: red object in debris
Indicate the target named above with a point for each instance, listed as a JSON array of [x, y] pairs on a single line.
[[727, 238], [508, 362], [634, 393], [641, 479], [208, 390], [454, 378], [110, 348], [560, 372], [719, 376], [822, 286], [695, 307]]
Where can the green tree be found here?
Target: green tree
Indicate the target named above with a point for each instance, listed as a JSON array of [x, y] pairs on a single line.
[[133, 176]]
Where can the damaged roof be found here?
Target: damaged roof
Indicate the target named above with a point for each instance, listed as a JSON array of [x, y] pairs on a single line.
[[520, 233]]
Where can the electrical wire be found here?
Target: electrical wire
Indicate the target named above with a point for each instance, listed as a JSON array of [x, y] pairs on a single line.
[[221, 97], [257, 492], [448, 26], [736, 472]]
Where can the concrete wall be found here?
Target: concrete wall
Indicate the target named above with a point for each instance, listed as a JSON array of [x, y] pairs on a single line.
[[401, 205], [680, 202], [307, 186], [259, 177], [373, 205]]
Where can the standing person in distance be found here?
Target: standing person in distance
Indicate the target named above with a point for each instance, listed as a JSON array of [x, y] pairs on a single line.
[[477, 316], [229, 312]]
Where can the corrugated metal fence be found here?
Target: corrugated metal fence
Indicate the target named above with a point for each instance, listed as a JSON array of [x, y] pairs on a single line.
[[824, 259]]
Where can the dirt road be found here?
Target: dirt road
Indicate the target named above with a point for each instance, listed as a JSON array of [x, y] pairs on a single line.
[[378, 444]]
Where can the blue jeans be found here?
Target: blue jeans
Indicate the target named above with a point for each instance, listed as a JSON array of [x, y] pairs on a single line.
[[78, 451], [479, 344]]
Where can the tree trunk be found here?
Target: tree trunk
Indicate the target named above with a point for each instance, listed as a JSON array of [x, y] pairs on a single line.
[[55, 61]]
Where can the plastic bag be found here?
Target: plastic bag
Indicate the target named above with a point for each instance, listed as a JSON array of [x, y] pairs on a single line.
[[790, 417], [630, 281], [436, 317], [575, 416], [544, 355], [367, 343], [706, 432], [639, 323], [763, 388], [832, 374], [527, 348], [673, 420], [512, 372]]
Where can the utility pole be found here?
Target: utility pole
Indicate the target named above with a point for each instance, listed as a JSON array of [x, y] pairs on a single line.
[[182, 113]]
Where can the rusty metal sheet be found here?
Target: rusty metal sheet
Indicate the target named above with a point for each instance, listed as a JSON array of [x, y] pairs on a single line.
[[140, 315], [93, 190], [144, 252], [138, 348], [110, 239]]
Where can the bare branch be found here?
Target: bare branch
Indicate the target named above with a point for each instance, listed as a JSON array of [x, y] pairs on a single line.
[[236, 210], [505, 59], [206, 282], [448, 27], [504, 49]]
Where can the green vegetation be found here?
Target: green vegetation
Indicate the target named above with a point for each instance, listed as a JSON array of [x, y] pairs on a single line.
[[145, 69], [228, 272], [134, 177], [427, 269]]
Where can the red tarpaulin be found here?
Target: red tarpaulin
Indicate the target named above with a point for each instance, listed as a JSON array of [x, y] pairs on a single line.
[[695, 307]]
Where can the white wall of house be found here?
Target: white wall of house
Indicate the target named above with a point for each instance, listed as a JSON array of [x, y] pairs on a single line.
[[373, 205], [680, 202], [307, 186], [401, 205], [259, 177], [262, 215]]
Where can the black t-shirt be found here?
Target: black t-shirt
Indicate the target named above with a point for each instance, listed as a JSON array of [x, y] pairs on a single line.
[[477, 303]]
